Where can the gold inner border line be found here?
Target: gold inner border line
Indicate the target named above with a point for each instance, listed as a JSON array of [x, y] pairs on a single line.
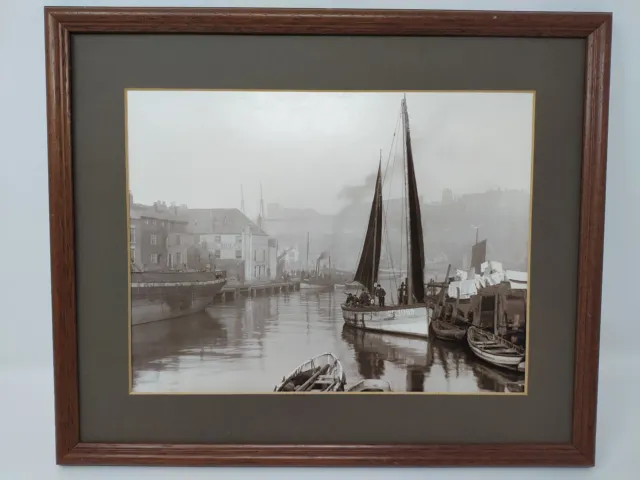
[[350, 394]]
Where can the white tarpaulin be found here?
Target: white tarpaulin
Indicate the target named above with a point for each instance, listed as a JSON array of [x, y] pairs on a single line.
[[516, 276], [461, 275], [495, 266], [467, 289], [518, 286]]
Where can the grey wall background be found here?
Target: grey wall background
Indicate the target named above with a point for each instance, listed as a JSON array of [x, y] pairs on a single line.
[[26, 403]]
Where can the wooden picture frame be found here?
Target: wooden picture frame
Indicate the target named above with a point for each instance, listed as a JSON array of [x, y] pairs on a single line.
[[61, 23]]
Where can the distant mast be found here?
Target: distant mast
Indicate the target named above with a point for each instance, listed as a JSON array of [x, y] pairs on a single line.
[[261, 214], [307, 264], [261, 202], [242, 200]]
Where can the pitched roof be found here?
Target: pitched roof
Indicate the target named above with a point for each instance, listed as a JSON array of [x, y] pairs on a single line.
[[221, 221], [149, 211]]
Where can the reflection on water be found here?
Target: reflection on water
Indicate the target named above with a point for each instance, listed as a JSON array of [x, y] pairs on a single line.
[[248, 345]]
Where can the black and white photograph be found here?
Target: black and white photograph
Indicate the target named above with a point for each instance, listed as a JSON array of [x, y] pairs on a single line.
[[329, 241]]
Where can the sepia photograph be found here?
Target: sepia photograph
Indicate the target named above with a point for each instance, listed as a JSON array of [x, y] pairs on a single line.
[[329, 241]]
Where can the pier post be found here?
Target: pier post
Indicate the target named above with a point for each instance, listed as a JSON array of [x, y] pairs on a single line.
[[223, 297], [253, 292]]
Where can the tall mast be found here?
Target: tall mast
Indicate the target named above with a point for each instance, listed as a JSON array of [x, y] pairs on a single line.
[[405, 135], [415, 287], [376, 247], [242, 199]]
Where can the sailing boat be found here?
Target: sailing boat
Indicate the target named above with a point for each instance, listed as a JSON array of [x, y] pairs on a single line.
[[318, 280], [411, 317]]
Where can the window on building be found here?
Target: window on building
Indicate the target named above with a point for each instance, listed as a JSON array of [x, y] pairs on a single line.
[[154, 222], [178, 258], [238, 253], [217, 253], [177, 239], [146, 220], [218, 239], [154, 258], [132, 234], [238, 239], [154, 239]]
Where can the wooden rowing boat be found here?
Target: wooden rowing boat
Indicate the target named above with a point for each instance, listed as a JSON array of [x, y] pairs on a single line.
[[445, 330], [371, 385], [494, 349], [323, 373]]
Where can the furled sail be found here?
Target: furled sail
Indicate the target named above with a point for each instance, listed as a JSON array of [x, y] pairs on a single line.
[[367, 271], [416, 242]]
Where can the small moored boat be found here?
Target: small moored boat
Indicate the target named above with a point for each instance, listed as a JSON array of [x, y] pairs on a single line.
[[447, 324], [349, 286], [448, 331], [313, 284], [323, 373], [494, 349], [371, 385]]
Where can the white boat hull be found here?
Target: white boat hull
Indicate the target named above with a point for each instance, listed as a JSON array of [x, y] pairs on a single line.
[[313, 286], [498, 360], [371, 385], [336, 372], [510, 361], [411, 320]]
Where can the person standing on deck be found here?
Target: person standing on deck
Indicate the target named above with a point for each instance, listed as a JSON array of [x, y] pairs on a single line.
[[401, 293], [364, 298], [380, 293]]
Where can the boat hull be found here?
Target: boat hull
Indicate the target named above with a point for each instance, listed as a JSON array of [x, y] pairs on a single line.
[[171, 296], [315, 286], [335, 372], [475, 339], [448, 331], [407, 320], [370, 386]]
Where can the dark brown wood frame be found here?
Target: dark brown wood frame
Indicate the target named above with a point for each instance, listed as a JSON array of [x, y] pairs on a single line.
[[60, 23]]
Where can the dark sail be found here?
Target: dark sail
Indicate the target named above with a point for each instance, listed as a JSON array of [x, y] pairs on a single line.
[[478, 255], [416, 254], [367, 271]]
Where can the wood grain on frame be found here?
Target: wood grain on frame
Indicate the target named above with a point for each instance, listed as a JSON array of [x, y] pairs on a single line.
[[595, 27]]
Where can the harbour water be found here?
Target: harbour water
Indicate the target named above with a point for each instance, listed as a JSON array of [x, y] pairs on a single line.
[[249, 344]]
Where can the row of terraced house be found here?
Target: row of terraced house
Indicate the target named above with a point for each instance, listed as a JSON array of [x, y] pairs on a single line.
[[176, 238]]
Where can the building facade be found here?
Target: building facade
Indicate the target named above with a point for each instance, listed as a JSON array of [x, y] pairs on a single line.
[[234, 242], [178, 244], [155, 232]]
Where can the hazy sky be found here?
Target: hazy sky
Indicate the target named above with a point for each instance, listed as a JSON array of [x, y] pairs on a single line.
[[199, 147]]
